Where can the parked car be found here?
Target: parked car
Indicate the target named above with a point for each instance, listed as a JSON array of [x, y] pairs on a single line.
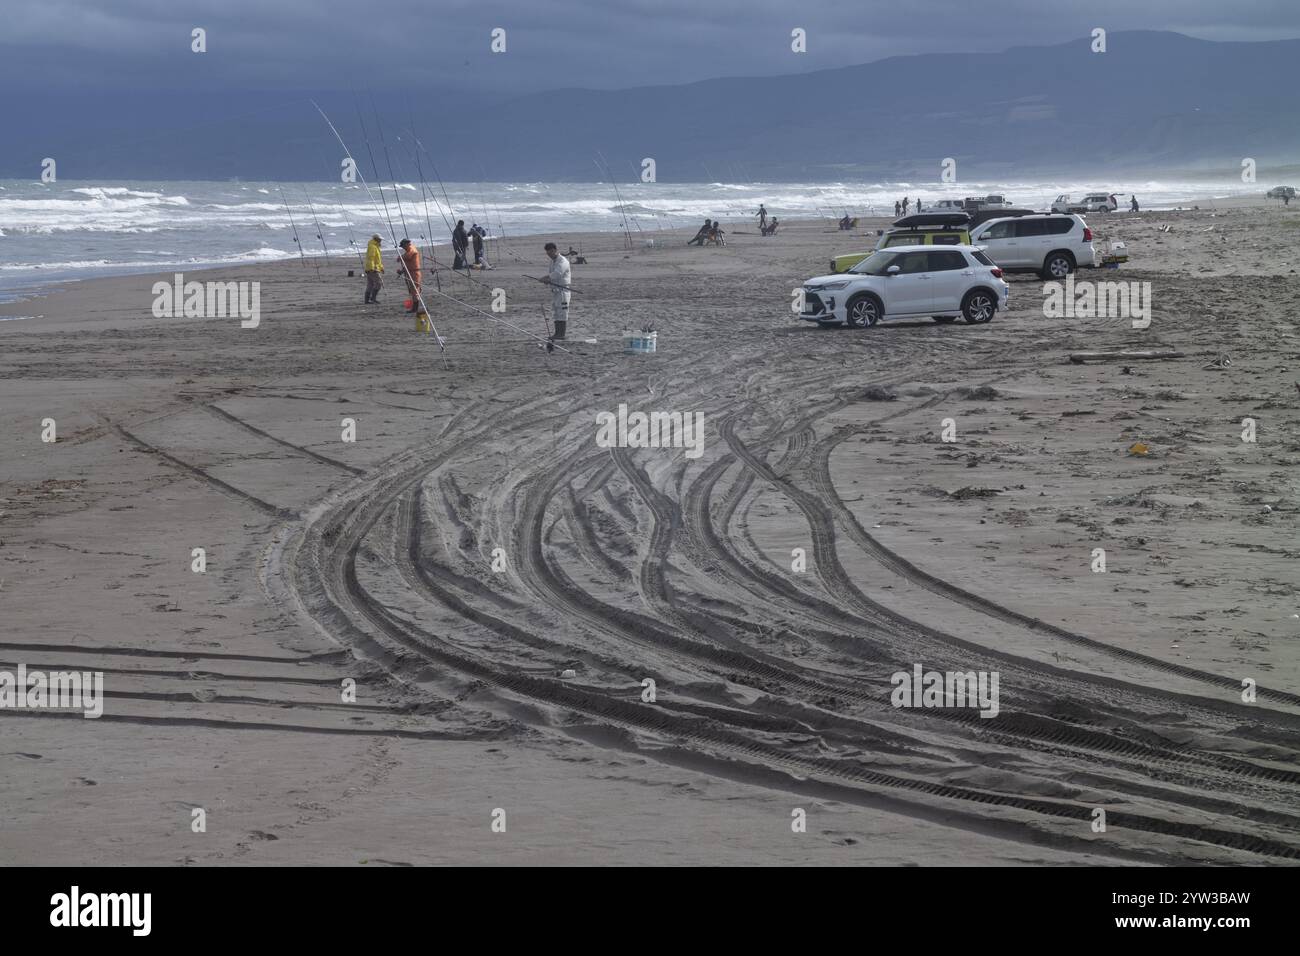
[[1050, 244], [906, 282], [946, 205], [995, 201], [919, 229], [1281, 192]]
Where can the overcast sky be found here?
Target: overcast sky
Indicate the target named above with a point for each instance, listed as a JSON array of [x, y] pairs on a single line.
[[433, 47]]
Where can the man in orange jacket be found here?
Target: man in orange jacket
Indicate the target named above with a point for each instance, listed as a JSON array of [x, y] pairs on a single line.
[[409, 266]]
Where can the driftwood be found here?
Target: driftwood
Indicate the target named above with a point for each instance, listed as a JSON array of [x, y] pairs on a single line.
[[1078, 358]]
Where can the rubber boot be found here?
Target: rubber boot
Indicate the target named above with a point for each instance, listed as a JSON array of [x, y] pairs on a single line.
[[559, 328]]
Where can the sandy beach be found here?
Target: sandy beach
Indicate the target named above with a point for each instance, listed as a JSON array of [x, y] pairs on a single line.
[[474, 543]]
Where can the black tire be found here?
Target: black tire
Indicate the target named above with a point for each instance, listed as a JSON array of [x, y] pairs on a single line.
[[863, 310], [978, 306], [1057, 266], [944, 319]]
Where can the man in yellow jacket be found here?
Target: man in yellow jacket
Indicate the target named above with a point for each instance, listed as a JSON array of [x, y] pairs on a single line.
[[374, 270]]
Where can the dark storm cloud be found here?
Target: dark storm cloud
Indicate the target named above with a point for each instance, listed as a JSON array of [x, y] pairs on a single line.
[[433, 47]]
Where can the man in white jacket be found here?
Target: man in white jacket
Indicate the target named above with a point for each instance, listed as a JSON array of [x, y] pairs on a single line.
[[558, 279]]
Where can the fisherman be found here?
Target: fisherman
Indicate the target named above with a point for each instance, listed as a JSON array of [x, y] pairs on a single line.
[[476, 233], [762, 217], [459, 243], [905, 201], [702, 235], [1133, 203], [918, 203], [898, 208], [410, 264], [558, 280], [374, 269]]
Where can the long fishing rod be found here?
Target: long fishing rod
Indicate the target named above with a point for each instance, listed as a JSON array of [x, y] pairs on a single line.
[[423, 196], [397, 193], [627, 231], [554, 286], [442, 346], [428, 223], [320, 232], [424, 199], [352, 236], [294, 226]]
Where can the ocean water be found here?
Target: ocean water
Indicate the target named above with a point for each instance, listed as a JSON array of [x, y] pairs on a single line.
[[53, 232]]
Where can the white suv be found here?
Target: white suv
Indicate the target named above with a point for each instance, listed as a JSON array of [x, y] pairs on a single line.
[[1051, 245], [906, 282]]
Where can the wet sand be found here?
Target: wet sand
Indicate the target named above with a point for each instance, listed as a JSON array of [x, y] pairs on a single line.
[[474, 543]]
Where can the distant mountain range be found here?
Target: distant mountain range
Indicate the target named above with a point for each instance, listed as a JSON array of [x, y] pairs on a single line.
[[1153, 101]]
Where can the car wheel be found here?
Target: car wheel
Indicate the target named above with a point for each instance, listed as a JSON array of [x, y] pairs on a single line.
[[863, 310], [978, 306], [944, 319], [1057, 266]]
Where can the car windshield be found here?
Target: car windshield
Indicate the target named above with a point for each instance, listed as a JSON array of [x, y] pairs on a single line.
[[875, 264]]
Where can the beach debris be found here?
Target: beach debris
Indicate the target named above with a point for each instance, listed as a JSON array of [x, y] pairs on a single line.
[[1139, 448], [972, 491], [568, 674], [1078, 358], [879, 393], [1223, 361], [980, 393]]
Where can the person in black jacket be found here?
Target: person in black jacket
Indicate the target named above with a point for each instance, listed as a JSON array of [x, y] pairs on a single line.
[[459, 243]]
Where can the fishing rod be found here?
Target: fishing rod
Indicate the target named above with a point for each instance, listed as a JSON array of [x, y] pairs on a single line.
[[397, 193], [627, 232], [294, 226], [442, 346], [553, 285], [320, 232], [424, 199], [352, 236]]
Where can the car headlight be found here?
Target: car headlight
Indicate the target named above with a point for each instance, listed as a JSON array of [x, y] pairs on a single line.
[[832, 285]]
